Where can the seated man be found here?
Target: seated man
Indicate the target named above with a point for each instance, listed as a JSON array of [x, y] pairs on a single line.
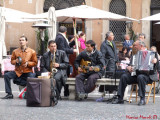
[[128, 43], [141, 79], [91, 72], [24, 58], [59, 61]]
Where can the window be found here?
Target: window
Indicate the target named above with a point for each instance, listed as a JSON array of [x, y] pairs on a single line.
[[118, 27], [10, 1], [29, 1]]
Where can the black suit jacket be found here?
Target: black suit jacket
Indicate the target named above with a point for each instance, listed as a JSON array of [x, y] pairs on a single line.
[[62, 44], [109, 54], [61, 58], [95, 58]]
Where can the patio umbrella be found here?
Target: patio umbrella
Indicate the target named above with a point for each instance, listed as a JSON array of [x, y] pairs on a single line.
[[155, 17], [12, 15], [157, 23], [3, 51], [83, 12], [52, 21], [88, 13]]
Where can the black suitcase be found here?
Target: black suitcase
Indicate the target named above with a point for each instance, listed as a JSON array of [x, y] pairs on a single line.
[[41, 92]]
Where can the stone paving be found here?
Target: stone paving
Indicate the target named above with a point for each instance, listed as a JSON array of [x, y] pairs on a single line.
[[89, 109]]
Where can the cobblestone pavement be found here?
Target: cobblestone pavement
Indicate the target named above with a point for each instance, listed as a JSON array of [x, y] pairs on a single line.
[[89, 109]]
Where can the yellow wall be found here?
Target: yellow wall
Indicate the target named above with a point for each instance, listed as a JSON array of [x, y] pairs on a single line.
[[97, 24], [136, 12]]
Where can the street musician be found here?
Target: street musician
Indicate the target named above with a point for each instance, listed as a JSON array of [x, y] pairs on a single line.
[[89, 64], [55, 61], [141, 78]]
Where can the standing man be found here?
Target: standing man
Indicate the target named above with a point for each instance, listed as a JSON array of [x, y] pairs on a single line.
[[59, 65], [24, 58], [128, 43], [141, 79], [109, 52], [91, 72], [142, 37], [62, 41], [63, 44]]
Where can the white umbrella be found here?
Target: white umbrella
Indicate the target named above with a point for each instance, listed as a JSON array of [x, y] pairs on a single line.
[[3, 51], [157, 23], [52, 21], [83, 12], [12, 15], [155, 17], [88, 13], [40, 16]]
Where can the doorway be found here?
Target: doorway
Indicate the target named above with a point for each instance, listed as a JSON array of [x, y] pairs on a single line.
[[155, 29]]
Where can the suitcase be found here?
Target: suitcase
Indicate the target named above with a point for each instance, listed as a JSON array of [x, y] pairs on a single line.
[[40, 93]]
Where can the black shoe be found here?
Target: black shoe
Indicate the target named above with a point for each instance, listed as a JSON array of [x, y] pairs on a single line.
[[66, 91], [142, 102], [86, 96], [60, 98], [117, 101], [66, 94], [82, 96], [9, 96]]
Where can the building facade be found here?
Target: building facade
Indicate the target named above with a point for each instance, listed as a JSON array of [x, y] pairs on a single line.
[[94, 30]]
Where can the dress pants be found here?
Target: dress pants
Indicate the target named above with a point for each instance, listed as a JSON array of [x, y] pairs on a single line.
[[90, 83], [59, 81], [12, 75], [127, 79], [66, 89]]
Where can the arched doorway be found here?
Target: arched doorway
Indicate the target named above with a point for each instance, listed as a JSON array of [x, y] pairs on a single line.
[[118, 27], [155, 28], [62, 4]]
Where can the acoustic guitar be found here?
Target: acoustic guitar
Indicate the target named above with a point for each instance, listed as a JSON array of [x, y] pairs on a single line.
[[85, 65]]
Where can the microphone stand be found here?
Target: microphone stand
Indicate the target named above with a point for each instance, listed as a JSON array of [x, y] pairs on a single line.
[[114, 74]]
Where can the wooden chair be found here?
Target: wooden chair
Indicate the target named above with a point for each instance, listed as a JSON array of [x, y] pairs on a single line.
[[153, 85]]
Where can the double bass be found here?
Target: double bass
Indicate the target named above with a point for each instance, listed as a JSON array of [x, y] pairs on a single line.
[[73, 56]]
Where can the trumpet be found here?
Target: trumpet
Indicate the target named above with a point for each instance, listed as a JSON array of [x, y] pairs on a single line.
[[53, 69]]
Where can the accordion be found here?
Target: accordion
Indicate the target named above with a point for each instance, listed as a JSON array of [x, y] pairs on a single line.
[[142, 62]]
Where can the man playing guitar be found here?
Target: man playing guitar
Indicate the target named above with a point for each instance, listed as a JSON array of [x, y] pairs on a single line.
[[89, 64]]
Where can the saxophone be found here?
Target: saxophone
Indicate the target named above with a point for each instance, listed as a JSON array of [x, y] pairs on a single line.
[[54, 96], [53, 70]]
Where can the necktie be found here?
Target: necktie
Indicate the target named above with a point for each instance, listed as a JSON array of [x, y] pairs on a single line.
[[111, 44]]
